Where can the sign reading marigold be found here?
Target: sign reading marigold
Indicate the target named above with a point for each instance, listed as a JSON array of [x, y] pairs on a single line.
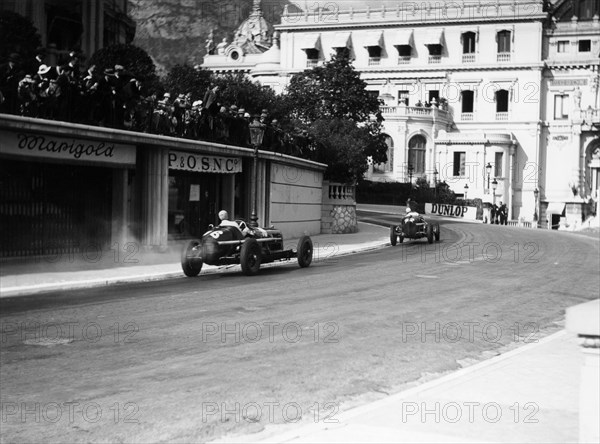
[[179, 160], [52, 147]]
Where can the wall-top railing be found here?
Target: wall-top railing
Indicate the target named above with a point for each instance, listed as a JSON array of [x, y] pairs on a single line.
[[340, 194], [410, 12]]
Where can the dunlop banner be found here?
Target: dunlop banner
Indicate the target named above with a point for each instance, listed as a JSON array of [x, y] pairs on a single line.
[[458, 211]]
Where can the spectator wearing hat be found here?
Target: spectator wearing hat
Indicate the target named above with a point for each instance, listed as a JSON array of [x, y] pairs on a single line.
[[178, 114], [69, 78], [107, 100], [10, 75], [27, 96], [120, 80], [37, 61], [91, 97]]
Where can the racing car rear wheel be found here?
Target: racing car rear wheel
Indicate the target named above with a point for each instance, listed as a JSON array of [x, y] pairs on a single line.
[[393, 236], [430, 233], [436, 231], [190, 262], [305, 251], [250, 257]]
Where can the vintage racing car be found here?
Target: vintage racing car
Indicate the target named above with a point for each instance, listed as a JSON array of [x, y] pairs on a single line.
[[228, 245], [414, 227]]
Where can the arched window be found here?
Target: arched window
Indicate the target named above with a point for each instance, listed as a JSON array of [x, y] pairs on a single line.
[[504, 40], [416, 154], [502, 101], [468, 42], [467, 99], [389, 165]]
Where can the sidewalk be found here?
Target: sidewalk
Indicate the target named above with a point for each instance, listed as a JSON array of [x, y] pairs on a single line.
[[96, 269], [527, 395]]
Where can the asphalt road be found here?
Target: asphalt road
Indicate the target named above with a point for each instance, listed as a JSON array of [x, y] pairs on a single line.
[[191, 360]]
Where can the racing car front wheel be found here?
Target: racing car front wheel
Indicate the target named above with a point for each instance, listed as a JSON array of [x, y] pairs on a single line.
[[430, 233], [250, 257], [305, 251], [190, 262], [436, 231], [393, 236]]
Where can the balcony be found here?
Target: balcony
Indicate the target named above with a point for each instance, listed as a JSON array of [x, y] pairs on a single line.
[[435, 59], [468, 58], [503, 57], [588, 117], [467, 117], [403, 60], [415, 111], [374, 61], [502, 116]]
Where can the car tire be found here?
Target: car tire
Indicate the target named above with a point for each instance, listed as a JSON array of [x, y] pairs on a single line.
[[190, 262], [401, 238], [250, 257], [437, 232], [430, 233], [305, 251], [393, 236]]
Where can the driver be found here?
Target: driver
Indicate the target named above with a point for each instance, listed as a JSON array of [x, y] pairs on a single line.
[[413, 214], [225, 222]]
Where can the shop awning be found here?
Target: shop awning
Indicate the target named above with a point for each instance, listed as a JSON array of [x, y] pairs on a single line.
[[310, 41], [402, 37], [373, 38], [433, 37], [555, 208], [341, 40]]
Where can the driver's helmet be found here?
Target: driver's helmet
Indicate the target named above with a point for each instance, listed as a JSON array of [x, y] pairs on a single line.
[[408, 210]]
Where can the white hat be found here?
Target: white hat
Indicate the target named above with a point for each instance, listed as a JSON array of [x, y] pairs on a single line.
[[408, 210], [43, 69], [197, 103]]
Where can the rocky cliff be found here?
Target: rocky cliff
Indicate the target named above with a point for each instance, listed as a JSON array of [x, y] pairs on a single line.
[[175, 31]]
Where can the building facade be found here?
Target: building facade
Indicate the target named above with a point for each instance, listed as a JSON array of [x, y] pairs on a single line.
[[570, 112], [465, 89]]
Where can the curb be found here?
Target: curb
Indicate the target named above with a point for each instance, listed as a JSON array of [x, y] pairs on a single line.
[[11, 292], [345, 417]]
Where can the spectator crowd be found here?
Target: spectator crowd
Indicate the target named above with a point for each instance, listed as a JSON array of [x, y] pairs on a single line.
[[114, 98]]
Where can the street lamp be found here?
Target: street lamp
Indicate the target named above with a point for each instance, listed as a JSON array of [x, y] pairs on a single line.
[[536, 194], [488, 169], [410, 174], [257, 131], [494, 186], [466, 190], [435, 175]]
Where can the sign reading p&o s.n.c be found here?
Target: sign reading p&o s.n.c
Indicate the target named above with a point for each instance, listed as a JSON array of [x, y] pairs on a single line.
[[179, 160], [459, 211]]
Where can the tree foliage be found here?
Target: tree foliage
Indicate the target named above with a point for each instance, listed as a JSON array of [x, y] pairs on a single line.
[[182, 79], [134, 59], [331, 103], [17, 34], [239, 90]]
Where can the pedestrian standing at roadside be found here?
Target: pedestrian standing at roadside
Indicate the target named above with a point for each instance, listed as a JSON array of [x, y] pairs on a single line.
[[494, 214]]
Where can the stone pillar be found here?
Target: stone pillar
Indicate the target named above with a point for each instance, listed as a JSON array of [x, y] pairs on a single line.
[[584, 320], [509, 193], [90, 16], [154, 197], [120, 210]]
